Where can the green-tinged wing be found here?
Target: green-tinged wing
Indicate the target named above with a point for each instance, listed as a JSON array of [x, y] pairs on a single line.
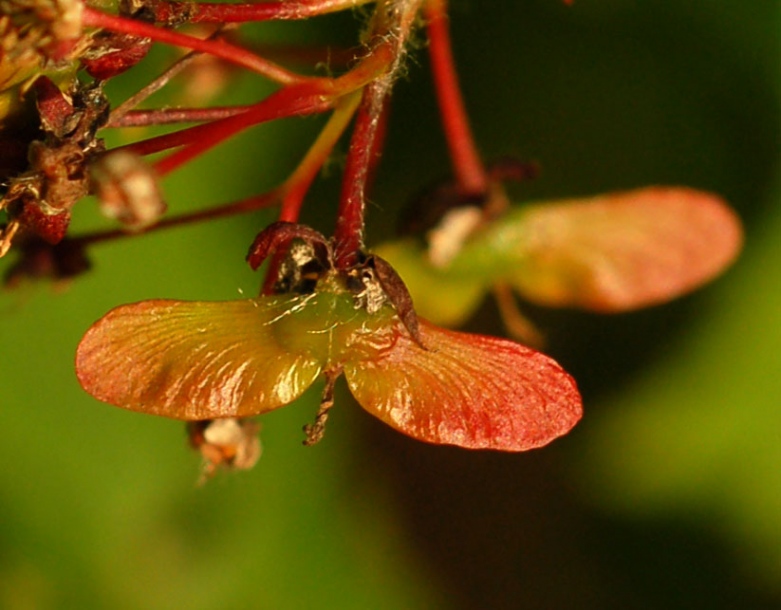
[[437, 295], [194, 360], [608, 253], [473, 391]]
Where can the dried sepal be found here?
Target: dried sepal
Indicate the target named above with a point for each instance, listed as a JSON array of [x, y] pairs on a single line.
[[56, 111], [39, 200], [40, 260], [473, 391], [111, 53], [379, 278], [426, 211], [298, 257], [277, 237]]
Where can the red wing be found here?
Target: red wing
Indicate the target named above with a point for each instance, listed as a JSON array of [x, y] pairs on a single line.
[[622, 251], [468, 390]]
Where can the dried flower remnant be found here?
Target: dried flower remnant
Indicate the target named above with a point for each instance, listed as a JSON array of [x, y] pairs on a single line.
[[127, 189], [109, 54], [50, 29], [40, 200], [609, 253], [225, 443], [237, 359], [37, 38]]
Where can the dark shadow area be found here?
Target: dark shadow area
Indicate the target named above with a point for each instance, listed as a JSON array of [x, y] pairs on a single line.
[[505, 532], [651, 95]]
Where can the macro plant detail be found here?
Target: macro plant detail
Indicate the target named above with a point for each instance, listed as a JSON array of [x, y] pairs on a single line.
[[329, 307], [236, 359], [609, 253]]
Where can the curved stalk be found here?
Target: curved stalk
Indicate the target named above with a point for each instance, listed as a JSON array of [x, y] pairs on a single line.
[[468, 168]]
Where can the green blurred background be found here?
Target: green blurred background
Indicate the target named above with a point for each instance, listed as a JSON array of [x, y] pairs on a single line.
[[666, 495]]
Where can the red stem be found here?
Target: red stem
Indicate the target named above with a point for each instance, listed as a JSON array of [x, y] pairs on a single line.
[[168, 116], [378, 144], [393, 22], [284, 103], [469, 170], [294, 189], [218, 48], [361, 157], [303, 99], [250, 204], [211, 12], [315, 95]]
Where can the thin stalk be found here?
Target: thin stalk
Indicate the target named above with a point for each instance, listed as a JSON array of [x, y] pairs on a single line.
[[348, 235], [170, 116], [295, 187], [317, 95], [213, 12], [391, 27], [219, 48], [157, 84], [201, 138], [250, 204], [469, 171], [518, 326]]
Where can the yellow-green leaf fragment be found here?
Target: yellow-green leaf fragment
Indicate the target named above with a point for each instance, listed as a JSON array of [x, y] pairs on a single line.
[[473, 391]]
